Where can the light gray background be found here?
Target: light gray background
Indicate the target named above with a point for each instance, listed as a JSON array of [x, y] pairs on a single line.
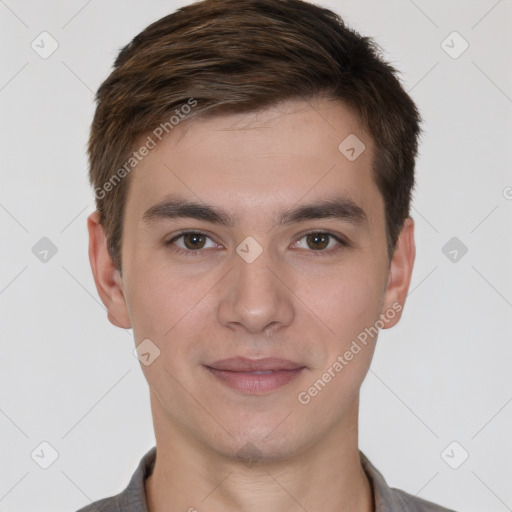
[[68, 377]]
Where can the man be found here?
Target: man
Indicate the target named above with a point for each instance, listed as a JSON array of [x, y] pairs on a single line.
[[253, 164]]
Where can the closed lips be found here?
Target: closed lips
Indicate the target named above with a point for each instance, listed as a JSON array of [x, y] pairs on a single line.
[[262, 366]]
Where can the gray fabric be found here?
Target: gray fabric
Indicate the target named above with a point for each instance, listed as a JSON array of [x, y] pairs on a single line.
[[133, 498], [389, 499]]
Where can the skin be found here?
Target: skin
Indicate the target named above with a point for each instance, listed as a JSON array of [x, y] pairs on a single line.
[[294, 302]]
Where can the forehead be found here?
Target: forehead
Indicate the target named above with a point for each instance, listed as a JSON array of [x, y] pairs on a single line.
[[256, 164]]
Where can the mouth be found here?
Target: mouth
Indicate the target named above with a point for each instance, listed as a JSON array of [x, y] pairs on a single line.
[[255, 376]]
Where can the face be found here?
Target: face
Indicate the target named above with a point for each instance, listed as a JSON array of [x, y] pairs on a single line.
[[282, 256]]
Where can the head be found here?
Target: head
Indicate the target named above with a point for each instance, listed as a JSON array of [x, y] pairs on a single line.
[[257, 112]]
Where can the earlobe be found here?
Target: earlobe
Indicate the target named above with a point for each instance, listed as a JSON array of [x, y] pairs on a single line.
[[106, 276], [400, 273]]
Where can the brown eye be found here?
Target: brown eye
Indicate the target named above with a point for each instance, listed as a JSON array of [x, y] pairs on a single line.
[[318, 241], [194, 240], [191, 243], [321, 243]]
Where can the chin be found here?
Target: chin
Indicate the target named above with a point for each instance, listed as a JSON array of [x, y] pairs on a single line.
[[252, 443]]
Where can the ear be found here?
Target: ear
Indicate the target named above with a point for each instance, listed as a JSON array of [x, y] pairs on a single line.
[[106, 277], [400, 271]]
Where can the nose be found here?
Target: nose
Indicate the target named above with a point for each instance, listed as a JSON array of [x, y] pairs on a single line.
[[256, 296]]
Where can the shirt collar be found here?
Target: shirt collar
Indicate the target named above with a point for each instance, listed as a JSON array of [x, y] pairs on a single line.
[[383, 498], [133, 498]]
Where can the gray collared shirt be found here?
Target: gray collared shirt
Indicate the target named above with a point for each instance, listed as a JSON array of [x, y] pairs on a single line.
[[387, 499]]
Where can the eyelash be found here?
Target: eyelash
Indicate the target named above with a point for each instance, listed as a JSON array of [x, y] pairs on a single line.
[[200, 252]]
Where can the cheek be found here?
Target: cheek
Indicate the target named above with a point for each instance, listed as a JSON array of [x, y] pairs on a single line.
[[156, 301], [349, 305], [170, 310], [346, 302]]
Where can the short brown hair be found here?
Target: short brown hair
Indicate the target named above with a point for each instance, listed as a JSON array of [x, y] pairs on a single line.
[[243, 56]]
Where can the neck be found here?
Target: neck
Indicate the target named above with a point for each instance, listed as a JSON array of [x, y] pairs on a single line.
[[190, 476]]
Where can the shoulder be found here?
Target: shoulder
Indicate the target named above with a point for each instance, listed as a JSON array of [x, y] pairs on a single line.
[[104, 505], [390, 499], [131, 499], [410, 503]]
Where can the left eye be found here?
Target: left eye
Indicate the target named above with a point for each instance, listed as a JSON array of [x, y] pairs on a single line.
[[192, 241], [319, 241]]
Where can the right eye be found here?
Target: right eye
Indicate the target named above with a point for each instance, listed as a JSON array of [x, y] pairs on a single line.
[[190, 243]]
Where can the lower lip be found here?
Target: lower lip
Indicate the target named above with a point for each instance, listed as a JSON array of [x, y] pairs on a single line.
[[255, 383]]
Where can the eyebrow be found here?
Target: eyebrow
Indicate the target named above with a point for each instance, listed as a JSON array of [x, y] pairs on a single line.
[[339, 208]]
